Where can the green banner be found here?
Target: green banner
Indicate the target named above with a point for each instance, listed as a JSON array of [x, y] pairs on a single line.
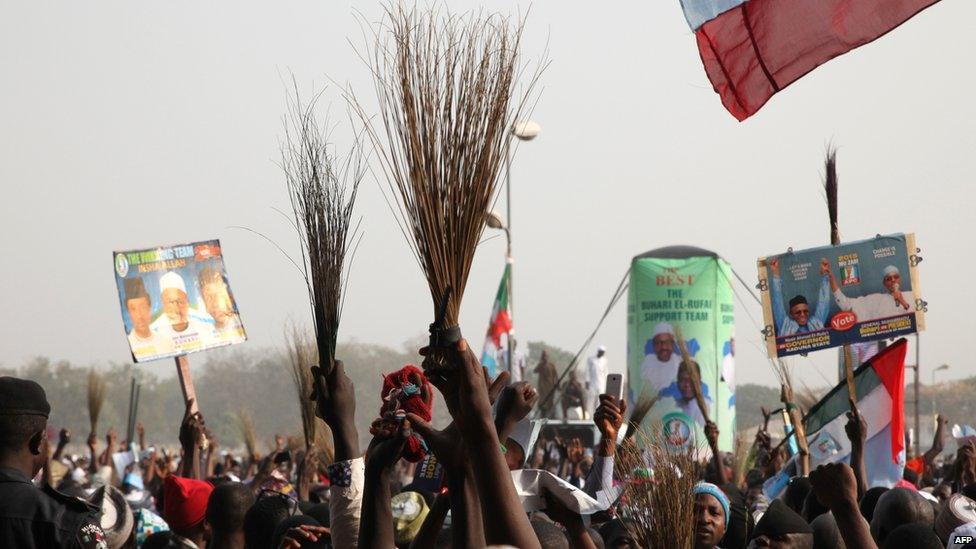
[[687, 290]]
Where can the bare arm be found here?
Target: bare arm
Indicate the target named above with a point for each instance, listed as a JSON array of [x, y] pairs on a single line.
[[505, 521], [376, 524], [711, 433], [857, 431], [835, 487]]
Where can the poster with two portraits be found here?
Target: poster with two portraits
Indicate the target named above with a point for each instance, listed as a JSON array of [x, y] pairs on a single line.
[[176, 300], [848, 294]]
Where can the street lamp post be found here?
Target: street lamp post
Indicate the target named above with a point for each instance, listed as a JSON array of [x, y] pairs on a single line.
[[526, 130]]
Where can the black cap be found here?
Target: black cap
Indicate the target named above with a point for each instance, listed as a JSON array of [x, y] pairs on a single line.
[[135, 288], [22, 397], [779, 520], [798, 300]]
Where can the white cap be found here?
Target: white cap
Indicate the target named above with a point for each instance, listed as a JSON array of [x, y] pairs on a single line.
[[891, 270], [171, 280], [602, 348], [662, 328]]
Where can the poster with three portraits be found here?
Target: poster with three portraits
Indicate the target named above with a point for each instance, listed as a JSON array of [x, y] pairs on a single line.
[[841, 295], [176, 300]]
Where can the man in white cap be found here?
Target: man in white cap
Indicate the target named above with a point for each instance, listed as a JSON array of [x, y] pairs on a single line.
[[660, 367], [596, 379], [177, 322], [890, 303]]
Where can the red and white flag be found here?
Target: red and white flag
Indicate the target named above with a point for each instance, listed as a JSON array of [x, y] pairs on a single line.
[[752, 49]]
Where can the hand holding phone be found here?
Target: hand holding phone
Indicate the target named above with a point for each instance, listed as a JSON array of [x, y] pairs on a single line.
[[615, 386]]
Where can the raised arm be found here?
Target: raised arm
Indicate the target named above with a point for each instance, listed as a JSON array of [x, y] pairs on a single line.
[[823, 296], [64, 436], [938, 441], [514, 403], [776, 294], [191, 439], [835, 487], [376, 524], [335, 398], [505, 521], [857, 432], [711, 433], [467, 524], [609, 417]]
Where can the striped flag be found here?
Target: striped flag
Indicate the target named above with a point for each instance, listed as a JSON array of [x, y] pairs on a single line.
[[752, 49], [499, 324], [880, 387]]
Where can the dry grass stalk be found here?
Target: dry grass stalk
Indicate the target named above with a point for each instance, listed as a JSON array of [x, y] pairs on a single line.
[[741, 459], [661, 505], [447, 90], [322, 188], [96, 397], [301, 354], [645, 402], [246, 425]]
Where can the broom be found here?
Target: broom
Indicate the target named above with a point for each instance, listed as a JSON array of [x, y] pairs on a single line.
[[96, 397], [322, 188], [831, 192], [645, 402], [246, 425], [301, 353], [446, 89], [662, 506]]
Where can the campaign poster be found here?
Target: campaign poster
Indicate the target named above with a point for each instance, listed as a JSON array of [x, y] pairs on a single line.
[[687, 290], [176, 300], [841, 295]]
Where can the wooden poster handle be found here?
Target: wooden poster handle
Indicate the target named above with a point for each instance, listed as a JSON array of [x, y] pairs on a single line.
[[186, 382]]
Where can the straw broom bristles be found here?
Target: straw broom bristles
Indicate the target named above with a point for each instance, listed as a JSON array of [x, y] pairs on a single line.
[[645, 402], [663, 507], [96, 397], [322, 189], [302, 353], [446, 89], [246, 425], [830, 189]]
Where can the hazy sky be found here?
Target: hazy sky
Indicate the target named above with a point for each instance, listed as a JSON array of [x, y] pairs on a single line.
[[134, 124]]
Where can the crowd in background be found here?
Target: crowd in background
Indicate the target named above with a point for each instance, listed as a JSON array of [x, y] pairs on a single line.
[[136, 494]]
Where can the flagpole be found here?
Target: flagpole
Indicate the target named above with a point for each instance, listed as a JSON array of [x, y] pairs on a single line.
[[508, 257]]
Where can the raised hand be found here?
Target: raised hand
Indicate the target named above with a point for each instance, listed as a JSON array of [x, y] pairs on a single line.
[[575, 451], [514, 403], [609, 418], [856, 428], [834, 485], [112, 438], [824, 267], [446, 445], [711, 433], [335, 397]]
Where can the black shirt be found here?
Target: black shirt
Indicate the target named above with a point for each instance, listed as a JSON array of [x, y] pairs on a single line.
[[31, 517]]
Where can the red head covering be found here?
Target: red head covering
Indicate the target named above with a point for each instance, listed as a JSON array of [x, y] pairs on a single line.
[[184, 501], [407, 391]]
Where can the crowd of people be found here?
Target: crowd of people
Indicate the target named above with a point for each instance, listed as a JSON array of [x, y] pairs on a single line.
[[196, 497]]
